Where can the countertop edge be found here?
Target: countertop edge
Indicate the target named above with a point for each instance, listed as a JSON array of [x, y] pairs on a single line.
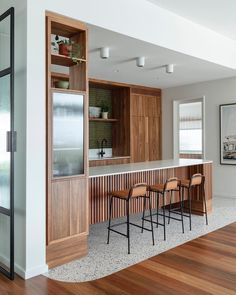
[[147, 169]]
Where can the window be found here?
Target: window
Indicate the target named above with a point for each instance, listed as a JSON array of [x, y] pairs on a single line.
[[190, 128]]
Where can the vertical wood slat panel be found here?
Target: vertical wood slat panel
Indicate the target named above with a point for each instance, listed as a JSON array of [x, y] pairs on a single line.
[[101, 187]]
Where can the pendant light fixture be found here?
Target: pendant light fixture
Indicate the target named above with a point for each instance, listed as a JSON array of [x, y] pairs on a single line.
[[105, 52]]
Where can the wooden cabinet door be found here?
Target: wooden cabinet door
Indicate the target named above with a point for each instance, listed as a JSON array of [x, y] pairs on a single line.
[[153, 106], [146, 105], [59, 211], [139, 135], [69, 209], [78, 206], [154, 138], [138, 105]]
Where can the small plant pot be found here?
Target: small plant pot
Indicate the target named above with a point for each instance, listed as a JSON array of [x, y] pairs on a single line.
[[65, 49], [105, 115]]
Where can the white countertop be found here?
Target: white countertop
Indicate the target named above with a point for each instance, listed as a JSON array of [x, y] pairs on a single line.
[[143, 166]]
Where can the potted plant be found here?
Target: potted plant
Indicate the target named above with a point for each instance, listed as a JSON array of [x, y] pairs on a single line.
[[65, 47], [105, 110], [68, 48]]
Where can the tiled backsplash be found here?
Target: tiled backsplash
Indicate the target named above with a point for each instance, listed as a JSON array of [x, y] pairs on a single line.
[[100, 130]]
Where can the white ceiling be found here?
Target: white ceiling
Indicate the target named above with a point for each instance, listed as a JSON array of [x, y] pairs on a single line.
[[216, 15], [121, 65]]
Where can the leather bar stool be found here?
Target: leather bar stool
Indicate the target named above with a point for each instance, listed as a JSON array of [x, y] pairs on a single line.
[[136, 191], [197, 180], [170, 186]]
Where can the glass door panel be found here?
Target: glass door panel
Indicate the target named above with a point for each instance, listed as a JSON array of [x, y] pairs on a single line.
[[5, 156], [68, 143], [5, 243], [7, 143], [5, 43]]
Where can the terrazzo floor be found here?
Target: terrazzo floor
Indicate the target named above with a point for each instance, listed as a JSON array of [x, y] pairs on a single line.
[[104, 259]]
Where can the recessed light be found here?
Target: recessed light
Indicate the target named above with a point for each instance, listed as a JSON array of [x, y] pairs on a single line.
[[116, 71]]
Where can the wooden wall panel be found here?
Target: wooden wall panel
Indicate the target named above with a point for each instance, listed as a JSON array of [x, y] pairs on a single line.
[[78, 207], [60, 210], [101, 187]]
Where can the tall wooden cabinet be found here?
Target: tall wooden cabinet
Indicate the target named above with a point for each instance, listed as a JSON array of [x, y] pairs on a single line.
[[67, 141], [145, 124]]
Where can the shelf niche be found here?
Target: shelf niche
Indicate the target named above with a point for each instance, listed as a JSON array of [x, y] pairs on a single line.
[[63, 65], [119, 117]]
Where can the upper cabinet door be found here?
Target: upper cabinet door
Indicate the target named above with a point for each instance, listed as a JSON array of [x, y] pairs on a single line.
[[153, 106], [145, 105], [138, 105]]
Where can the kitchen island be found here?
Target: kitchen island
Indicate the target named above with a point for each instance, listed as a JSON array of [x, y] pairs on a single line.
[[105, 179]]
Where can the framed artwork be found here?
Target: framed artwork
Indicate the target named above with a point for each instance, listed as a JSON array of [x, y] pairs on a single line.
[[228, 134]]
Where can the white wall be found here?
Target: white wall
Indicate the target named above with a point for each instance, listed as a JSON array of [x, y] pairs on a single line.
[[20, 127], [216, 93]]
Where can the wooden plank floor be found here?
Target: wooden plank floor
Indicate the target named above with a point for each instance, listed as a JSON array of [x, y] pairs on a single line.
[[203, 266]]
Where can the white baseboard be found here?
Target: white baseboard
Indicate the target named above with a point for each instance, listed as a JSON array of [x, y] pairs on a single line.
[[36, 271], [25, 274]]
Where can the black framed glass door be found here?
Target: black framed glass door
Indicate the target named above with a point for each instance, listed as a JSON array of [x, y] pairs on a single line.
[[7, 143]]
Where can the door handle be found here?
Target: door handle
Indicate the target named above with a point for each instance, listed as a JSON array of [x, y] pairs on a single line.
[[11, 141]]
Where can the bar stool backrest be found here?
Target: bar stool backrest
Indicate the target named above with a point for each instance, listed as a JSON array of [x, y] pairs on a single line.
[[196, 179], [171, 184], [139, 189]]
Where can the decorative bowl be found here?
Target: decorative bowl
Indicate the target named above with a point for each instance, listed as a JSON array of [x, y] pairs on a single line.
[[62, 84]]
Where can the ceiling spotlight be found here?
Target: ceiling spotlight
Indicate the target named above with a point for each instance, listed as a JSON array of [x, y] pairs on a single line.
[[169, 69], [140, 61], [105, 52]]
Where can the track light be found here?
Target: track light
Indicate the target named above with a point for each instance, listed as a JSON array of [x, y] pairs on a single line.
[[140, 61], [105, 52], [169, 69]]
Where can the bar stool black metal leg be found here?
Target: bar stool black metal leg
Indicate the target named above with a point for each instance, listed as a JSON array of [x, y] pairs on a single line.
[[204, 199], [128, 233], [164, 216], [181, 197], [109, 224], [157, 195], [190, 208], [170, 205], [144, 208], [150, 209]]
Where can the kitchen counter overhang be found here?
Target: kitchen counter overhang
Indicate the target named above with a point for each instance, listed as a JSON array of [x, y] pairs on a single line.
[[144, 166]]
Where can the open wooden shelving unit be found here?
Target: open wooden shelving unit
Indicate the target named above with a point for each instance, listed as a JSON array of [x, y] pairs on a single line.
[[67, 196]]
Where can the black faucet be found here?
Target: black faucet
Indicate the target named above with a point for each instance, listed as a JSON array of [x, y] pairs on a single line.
[[102, 153]]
